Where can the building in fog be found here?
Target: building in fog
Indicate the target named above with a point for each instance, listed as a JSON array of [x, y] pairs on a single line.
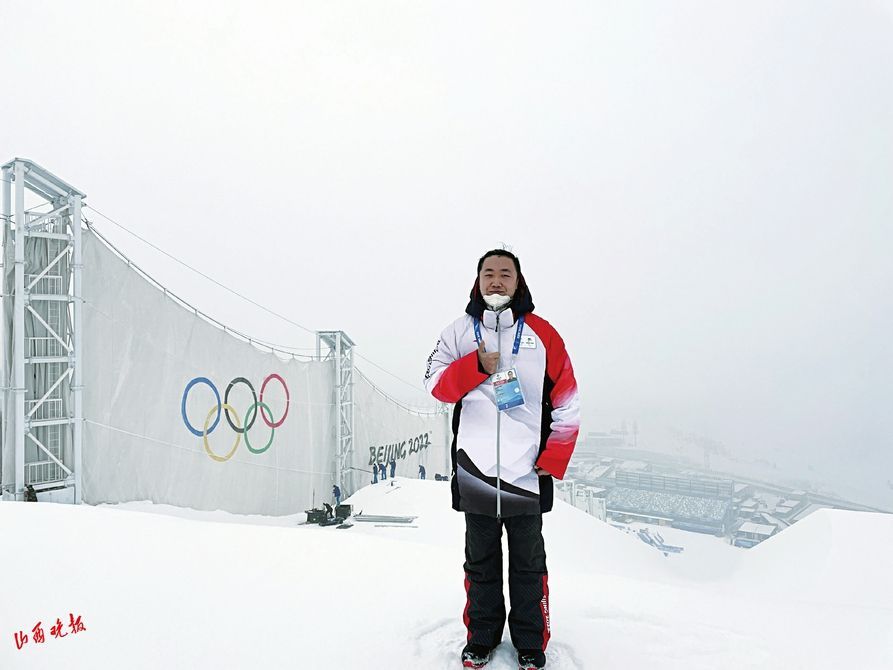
[[700, 505], [750, 534]]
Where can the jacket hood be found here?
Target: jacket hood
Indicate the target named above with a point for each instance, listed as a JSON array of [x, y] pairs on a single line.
[[522, 301]]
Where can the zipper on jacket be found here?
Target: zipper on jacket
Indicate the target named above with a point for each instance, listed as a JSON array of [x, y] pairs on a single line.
[[498, 342], [498, 420]]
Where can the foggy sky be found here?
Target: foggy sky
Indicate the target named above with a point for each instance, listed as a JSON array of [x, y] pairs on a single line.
[[699, 192]]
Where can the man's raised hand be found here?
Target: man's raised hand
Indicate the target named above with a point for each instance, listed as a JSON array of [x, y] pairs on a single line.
[[489, 361]]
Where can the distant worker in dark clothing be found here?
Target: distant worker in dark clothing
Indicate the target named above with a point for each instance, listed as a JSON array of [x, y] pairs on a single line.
[[337, 493], [383, 469], [421, 472], [393, 467], [375, 473]]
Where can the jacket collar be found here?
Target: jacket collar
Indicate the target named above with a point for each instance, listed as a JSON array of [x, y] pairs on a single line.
[[506, 319]]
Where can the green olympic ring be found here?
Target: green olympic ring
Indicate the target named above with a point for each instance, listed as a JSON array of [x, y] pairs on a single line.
[[251, 409]]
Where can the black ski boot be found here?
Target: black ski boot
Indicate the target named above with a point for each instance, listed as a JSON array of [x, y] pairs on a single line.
[[475, 656], [531, 659]]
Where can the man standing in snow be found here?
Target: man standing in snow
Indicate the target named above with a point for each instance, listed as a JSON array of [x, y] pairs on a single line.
[[511, 435]]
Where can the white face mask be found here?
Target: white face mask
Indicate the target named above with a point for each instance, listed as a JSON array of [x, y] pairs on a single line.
[[495, 301]]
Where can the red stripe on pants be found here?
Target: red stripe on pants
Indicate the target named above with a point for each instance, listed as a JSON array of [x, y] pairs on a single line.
[[544, 608], [465, 618]]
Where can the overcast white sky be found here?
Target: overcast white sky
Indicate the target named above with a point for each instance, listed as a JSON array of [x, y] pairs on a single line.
[[699, 192]]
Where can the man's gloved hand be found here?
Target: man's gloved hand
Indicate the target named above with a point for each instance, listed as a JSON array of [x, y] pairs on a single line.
[[540, 471]]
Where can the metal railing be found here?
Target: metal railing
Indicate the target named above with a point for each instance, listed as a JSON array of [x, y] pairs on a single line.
[[43, 472], [51, 408], [54, 224], [44, 346], [46, 285]]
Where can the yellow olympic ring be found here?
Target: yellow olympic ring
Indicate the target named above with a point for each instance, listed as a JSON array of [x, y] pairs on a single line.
[[214, 410]]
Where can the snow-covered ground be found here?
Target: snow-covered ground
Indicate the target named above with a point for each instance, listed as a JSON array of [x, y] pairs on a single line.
[[162, 587]]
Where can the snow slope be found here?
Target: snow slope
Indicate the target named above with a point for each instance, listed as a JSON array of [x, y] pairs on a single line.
[[178, 588]]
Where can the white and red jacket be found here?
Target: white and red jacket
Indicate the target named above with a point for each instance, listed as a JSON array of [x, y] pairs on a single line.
[[542, 432]]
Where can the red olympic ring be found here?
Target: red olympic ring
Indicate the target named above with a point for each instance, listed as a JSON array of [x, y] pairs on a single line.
[[263, 412]]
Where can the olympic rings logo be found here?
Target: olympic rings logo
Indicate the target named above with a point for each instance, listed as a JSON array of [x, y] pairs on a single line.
[[229, 412]]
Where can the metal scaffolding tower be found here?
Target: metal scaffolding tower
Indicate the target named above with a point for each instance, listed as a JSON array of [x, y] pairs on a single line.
[[340, 348], [42, 366]]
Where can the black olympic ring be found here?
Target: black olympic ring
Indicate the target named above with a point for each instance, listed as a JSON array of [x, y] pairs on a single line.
[[247, 383]]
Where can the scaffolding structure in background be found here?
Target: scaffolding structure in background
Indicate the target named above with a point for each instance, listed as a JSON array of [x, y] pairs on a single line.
[[42, 365], [340, 348]]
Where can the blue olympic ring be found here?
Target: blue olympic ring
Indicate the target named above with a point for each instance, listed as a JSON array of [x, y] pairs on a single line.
[[192, 429]]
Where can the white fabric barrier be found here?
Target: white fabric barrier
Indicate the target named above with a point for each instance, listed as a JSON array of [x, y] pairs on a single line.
[[384, 430], [142, 350]]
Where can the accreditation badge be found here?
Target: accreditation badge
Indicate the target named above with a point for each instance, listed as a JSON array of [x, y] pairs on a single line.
[[507, 387]]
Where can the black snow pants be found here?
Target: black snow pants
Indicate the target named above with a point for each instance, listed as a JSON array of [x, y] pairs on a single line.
[[484, 614]]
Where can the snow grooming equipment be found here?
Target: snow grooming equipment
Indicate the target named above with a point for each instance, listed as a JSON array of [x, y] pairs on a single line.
[[315, 515]]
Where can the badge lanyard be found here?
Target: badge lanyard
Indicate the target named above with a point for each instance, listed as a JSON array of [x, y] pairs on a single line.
[[517, 345]]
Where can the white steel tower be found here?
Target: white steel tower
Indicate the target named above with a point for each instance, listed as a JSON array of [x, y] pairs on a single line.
[[42, 369], [340, 348]]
